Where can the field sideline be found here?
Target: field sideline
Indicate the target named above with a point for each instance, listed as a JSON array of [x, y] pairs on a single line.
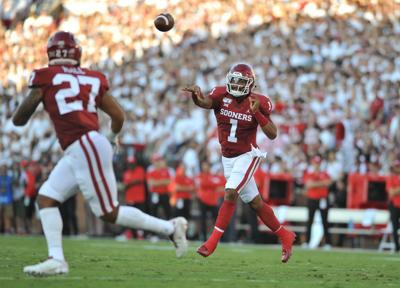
[[106, 263]]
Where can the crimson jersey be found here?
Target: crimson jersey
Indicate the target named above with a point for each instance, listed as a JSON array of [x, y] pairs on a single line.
[[237, 127], [71, 96]]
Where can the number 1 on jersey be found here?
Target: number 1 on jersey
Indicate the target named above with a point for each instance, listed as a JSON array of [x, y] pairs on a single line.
[[232, 135]]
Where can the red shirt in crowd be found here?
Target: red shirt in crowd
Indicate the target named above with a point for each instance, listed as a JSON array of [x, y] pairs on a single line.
[[393, 181], [317, 192], [375, 107], [159, 174], [136, 193], [30, 184], [208, 188], [184, 180]]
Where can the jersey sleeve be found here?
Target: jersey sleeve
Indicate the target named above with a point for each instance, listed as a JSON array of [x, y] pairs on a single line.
[[216, 96], [38, 78], [104, 87], [265, 106]]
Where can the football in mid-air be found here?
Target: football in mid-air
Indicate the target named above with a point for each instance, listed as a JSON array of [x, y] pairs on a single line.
[[164, 22]]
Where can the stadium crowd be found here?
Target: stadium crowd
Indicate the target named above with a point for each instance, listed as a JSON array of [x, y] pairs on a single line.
[[332, 69]]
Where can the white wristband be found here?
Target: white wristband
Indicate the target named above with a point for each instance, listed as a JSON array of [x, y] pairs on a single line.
[[112, 137]]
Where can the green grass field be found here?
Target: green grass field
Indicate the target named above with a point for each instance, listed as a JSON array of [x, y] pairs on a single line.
[[106, 263]]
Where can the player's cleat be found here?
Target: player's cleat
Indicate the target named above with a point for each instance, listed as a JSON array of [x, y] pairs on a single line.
[[203, 251], [49, 267], [287, 238], [179, 236], [211, 244]]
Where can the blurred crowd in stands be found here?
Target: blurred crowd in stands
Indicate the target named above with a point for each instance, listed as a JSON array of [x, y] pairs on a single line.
[[332, 69]]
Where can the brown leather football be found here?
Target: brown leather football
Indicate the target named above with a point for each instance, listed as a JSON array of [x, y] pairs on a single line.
[[164, 22]]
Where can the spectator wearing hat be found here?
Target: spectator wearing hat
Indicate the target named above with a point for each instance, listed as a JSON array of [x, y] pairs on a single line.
[[393, 188], [317, 184], [159, 179], [134, 180], [183, 191]]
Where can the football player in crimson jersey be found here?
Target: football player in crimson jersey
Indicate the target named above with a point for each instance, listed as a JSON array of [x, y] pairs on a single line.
[[71, 95], [239, 111]]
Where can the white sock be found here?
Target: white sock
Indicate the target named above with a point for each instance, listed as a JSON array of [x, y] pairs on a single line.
[[134, 218], [52, 227]]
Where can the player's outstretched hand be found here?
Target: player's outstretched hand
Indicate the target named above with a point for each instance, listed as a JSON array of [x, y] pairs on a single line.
[[194, 89], [254, 104]]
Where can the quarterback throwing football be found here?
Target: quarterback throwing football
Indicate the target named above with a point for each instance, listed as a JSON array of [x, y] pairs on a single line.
[[71, 95], [239, 111]]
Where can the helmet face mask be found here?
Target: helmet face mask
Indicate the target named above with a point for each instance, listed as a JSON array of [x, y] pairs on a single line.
[[63, 49], [240, 80]]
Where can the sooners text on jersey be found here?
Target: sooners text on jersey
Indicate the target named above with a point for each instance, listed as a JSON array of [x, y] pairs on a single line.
[[71, 96], [237, 127]]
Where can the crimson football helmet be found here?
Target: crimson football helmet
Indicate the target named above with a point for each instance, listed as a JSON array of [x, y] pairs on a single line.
[[63, 48], [240, 80]]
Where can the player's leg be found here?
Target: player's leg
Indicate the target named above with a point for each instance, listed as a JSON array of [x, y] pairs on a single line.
[[60, 186], [223, 218], [250, 195], [238, 172], [133, 218], [265, 213], [97, 181]]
